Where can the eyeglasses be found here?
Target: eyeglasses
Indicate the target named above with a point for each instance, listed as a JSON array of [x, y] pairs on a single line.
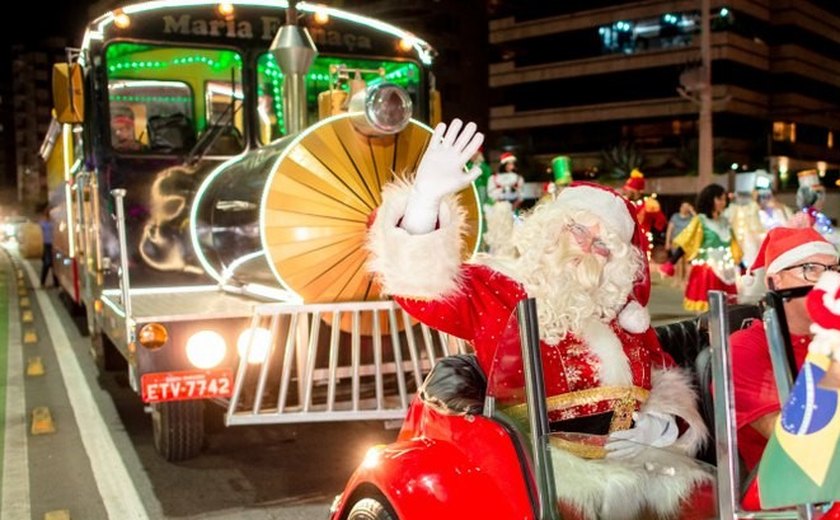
[[585, 237], [811, 271]]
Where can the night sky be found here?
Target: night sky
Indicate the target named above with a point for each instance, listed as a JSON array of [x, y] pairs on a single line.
[[35, 20]]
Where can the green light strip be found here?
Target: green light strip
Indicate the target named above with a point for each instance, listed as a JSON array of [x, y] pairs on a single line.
[[148, 99]]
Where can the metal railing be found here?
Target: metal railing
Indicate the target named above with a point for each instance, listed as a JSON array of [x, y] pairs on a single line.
[[333, 362]]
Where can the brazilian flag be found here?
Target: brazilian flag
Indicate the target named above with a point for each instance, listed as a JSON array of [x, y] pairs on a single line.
[[801, 463]]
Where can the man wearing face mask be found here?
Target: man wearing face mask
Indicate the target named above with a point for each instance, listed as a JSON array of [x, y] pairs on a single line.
[[792, 258], [606, 376]]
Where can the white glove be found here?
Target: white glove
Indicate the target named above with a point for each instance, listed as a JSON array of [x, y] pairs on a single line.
[[441, 172], [652, 429]]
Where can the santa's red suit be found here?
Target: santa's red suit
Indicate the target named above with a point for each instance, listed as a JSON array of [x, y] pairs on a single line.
[[615, 366]]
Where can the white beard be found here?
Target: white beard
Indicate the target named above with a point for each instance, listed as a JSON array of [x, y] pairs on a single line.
[[571, 287], [577, 289]]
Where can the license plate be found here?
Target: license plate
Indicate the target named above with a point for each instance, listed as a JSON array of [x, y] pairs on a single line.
[[189, 384]]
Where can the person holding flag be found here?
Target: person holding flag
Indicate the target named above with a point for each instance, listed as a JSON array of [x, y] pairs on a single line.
[[790, 258], [801, 463]]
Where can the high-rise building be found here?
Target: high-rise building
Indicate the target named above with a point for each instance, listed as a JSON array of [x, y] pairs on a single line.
[[31, 106], [612, 84]]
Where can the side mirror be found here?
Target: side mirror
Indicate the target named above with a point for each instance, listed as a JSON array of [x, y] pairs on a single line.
[[68, 93]]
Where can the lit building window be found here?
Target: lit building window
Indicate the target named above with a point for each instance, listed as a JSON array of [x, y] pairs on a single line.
[[830, 141], [783, 131]]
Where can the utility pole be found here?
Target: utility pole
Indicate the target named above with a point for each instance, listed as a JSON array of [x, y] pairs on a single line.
[[705, 162]]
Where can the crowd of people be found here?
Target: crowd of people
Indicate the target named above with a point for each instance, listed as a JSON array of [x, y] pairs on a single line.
[[583, 255]]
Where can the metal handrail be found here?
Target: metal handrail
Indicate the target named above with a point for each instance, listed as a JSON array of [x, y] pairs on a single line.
[[529, 339], [125, 280], [726, 449]]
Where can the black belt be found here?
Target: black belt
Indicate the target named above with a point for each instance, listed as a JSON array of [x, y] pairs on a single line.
[[591, 424]]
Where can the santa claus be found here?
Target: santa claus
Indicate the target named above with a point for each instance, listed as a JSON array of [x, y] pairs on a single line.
[[606, 376]]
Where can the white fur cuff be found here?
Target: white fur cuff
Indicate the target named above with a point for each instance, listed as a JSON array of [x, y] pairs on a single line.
[[634, 318], [673, 393], [419, 266]]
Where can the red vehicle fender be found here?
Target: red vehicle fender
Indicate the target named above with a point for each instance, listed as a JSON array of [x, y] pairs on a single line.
[[426, 478]]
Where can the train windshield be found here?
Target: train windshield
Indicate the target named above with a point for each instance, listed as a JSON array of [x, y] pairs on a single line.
[[163, 99], [327, 72]]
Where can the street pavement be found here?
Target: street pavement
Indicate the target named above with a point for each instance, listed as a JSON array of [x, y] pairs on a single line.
[[103, 437]]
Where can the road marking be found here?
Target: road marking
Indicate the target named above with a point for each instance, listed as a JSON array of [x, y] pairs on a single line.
[[24, 302], [119, 495], [35, 367], [16, 501], [42, 422], [27, 317], [30, 336], [61, 514]]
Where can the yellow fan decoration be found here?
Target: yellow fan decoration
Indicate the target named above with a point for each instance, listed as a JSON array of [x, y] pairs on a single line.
[[321, 199]]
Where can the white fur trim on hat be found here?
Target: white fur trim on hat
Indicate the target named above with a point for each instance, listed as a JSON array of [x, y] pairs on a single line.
[[634, 318], [417, 266], [793, 256], [608, 207]]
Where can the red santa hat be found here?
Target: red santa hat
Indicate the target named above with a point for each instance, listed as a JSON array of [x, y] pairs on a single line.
[[636, 181], [824, 301], [785, 247], [507, 157], [619, 215]]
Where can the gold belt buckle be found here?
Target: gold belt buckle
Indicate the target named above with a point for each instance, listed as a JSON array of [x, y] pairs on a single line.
[[623, 413]]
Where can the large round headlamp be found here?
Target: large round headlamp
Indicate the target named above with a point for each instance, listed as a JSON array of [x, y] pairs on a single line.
[[206, 349], [256, 348], [384, 109]]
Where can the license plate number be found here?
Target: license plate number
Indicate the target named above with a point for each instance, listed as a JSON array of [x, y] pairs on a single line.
[[189, 384]]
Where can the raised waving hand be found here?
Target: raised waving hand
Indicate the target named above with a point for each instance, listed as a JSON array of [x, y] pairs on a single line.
[[441, 173]]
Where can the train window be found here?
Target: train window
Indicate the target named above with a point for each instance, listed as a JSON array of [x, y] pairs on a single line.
[[406, 74], [163, 100], [223, 107]]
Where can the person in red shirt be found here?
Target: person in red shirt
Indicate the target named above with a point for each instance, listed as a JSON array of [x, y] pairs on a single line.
[[792, 258]]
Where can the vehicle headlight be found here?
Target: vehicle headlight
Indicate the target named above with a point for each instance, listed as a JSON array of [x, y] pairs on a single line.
[[373, 456], [259, 346], [385, 109], [206, 349]]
